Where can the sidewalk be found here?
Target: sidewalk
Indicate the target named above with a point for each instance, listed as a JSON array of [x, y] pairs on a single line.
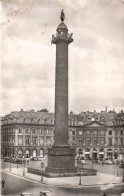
[[100, 179]]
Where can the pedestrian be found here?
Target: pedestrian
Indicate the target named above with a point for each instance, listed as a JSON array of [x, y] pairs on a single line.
[[3, 182]]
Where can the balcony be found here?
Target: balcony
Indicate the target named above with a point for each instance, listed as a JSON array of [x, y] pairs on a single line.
[[61, 36]]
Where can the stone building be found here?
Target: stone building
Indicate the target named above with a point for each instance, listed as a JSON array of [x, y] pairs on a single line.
[[93, 134]]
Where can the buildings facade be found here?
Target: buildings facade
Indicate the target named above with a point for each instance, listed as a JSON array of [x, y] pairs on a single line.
[[93, 134]]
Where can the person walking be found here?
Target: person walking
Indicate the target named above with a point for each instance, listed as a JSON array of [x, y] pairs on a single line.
[[3, 182]]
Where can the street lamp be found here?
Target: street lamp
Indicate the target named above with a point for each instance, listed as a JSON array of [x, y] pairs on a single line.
[[42, 166]]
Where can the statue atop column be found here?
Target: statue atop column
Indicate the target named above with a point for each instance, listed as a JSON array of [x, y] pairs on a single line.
[[62, 17]]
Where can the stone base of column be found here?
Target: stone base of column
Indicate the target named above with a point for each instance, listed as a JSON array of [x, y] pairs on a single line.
[[61, 160]]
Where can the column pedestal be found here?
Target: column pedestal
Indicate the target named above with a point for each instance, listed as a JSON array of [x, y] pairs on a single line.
[[61, 160]]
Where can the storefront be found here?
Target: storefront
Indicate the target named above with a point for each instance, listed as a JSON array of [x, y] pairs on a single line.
[[120, 155], [87, 154], [80, 151], [115, 153], [109, 153], [20, 152], [41, 153], [101, 153], [34, 153], [94, 153], [27, 153]]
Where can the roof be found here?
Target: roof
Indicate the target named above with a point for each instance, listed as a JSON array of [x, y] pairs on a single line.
[[62, 26]]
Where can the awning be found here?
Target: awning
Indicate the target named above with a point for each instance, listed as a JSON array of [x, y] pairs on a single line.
[[87, 152], [101, 152]]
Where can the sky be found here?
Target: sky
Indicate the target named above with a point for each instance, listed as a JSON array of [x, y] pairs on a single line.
[[96, 57]]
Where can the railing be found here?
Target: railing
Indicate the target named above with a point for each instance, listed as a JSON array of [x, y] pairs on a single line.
[[56, 36]]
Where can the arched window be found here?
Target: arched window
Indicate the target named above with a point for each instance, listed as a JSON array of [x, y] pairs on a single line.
[[41, 153]]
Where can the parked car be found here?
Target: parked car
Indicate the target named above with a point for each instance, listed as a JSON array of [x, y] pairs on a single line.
[[122, 165], [108, 162], [19, 161], [34, 159], [46, 193], [6, 159], [26, 194], [12, 159], [83, 162], [1, 156]]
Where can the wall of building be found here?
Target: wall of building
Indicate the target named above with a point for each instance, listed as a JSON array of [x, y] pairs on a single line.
[[31, 133]]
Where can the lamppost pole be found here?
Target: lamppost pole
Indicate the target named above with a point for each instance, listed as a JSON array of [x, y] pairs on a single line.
[[80, 173], [24, 166], [10, 161], [92, 164], [80, 179], [123, 177], [117, 170], [42, 166], [10, 165]]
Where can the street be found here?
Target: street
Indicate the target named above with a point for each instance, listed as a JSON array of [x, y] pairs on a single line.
[[15, 185]]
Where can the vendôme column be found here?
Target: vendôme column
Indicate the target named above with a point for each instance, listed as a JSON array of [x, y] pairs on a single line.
[[61, 156]]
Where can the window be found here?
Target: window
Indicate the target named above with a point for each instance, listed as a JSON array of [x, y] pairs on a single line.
[[110, 132], [80, 141], [110, 141], [73, 141], [102, 132], [95, 132], [87, 142], [121, 132], [73, 132], [27, 141], [27, 131], [34, 140], [121, 141], [95, 142], [48, 140], [116, 133], [41, 140], [34, 131], [45, 121], [87, 132], [48, 131], [80, 132], [116, 141], [102, 142], [20, 140], [42, 131], [20, 131], [27, 152]]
